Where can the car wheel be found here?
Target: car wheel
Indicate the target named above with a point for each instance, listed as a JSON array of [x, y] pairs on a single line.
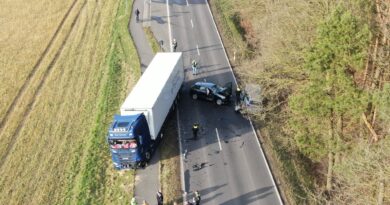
[[219, 102], [194, 96]]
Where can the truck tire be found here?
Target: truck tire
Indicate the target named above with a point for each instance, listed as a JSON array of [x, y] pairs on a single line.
[[194, 96], [219, 102], [147, 156]]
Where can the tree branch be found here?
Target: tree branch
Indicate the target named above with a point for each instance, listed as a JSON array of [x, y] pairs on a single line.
[[374, 135]]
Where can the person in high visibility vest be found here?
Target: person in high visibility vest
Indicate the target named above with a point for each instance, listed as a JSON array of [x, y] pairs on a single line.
[[133, 201], [194, 65], [197, 198], [195, 129]]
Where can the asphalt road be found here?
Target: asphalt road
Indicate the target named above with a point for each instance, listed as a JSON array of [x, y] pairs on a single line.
[[225, 164], [232, 167]]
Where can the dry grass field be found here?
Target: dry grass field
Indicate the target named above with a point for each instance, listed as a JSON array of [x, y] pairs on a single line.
[[65, 66]]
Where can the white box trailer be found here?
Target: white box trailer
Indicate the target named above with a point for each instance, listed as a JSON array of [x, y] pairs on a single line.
[[156, 90]]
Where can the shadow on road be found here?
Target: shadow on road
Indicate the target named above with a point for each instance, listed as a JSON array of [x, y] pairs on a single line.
[[251, 196]]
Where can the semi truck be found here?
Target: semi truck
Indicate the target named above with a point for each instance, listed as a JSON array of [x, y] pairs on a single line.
[[135, 134]]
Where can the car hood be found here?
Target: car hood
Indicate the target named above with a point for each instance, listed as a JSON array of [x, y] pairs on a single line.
[[225, 91]]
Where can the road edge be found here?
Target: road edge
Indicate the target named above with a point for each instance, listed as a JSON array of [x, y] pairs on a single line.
[[250, 121]]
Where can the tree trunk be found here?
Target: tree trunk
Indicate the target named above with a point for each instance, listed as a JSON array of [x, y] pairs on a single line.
[[374, 135], [339, 135], [370, 62], [329, 175]]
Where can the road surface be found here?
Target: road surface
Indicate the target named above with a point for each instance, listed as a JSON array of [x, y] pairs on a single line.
[[226, 163]]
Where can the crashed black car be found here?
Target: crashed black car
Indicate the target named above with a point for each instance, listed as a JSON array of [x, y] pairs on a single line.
[[211, 92]]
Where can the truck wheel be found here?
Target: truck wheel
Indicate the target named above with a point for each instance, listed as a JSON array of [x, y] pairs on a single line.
[[147, 156], [219, 102], [194, 96]]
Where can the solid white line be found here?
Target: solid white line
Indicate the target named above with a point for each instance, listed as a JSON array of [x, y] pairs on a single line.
[[192, 24], [150, 10], [219, 140], [197, 48], [250, 121], [266, 162], [169, 27], [183, 182], [219, 36], [187, 3]]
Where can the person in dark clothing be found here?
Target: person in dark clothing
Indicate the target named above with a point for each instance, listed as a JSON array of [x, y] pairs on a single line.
[[195, 129], [174, 45], [238, 96], [137, 12], [160, 198]]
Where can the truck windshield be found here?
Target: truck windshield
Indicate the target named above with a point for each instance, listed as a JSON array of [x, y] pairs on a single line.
[[123, 144]]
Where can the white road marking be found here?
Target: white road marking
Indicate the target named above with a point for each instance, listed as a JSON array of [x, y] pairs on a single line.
[[192, 24], [150, 10], [197, 48], [187, 3], [219, 36], [219, 140], [169, 27], [266, 163], [183, 182], [250, 121]]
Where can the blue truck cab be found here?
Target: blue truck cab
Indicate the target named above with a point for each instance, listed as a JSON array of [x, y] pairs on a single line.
[[130, 143], [134, 134]]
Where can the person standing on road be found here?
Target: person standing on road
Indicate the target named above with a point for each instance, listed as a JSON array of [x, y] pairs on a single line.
[[133, 201], [194, 65], [137, 13], [238, 96], [174, 45], [197, 198], [160, 198], [195, 129]]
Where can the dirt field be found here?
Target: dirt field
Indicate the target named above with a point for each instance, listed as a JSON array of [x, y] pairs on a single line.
[[63, 72]]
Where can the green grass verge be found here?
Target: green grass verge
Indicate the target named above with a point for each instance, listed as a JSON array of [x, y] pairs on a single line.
[[170, 162], [122, 58], [152, 39], [231, 31]]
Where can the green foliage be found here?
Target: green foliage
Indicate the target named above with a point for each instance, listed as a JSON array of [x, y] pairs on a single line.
[[381, 99], [338, 51], [94, 180], [153, 43], [360, 174]]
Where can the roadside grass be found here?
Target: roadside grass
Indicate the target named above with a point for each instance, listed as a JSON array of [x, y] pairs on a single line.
[[169, 165], [152, 39], [230, 31], [23, 40], [59, 155], [16, 77], [100, 183], [287, 168], [170, 162]]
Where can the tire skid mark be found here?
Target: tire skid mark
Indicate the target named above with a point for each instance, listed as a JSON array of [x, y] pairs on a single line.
[[94, 45], [95, 21], [66, 92], [83, 35], [37, 91], [35, 68]]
